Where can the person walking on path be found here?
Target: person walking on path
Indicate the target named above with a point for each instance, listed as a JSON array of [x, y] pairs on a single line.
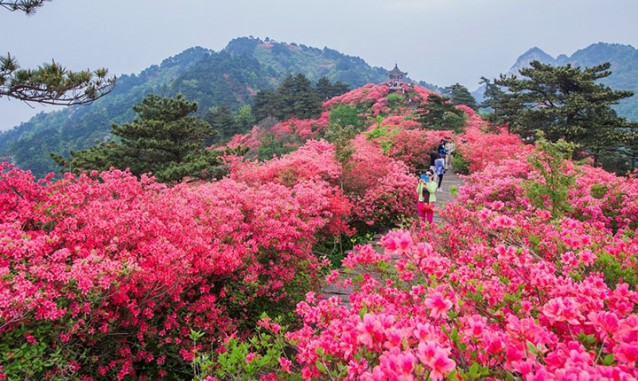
[[425, 190], [433, 155], [439, 169], [450, 147]]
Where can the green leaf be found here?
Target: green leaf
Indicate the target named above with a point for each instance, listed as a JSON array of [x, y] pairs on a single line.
[[322, 368], [609, 359]]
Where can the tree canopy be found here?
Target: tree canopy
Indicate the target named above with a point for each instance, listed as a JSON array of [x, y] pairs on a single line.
[[296, 97], [50, 83], [441, 114], [563, 102], [460, 95], [164, 139]]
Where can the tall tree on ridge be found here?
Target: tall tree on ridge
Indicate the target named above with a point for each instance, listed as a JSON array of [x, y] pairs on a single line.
[[564, 102]]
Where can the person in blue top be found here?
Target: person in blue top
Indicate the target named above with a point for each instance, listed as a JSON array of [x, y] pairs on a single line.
[[442, 149], [439, 169], [425, 190]]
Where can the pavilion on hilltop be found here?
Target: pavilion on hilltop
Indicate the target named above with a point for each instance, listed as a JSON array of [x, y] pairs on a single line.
[[395, 78]]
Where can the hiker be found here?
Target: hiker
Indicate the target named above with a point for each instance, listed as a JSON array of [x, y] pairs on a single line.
[[450, 147], [433, 156], [439, 169], [441, 149], [425, 190]]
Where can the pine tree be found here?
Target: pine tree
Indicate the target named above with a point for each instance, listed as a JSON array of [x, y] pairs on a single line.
[[440, 114], [164, 139], [326, 90], [460, 95], [50, 83], [563, 102]]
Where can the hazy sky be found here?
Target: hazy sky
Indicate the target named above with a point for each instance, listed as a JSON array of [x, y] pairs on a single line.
[[437, 41]]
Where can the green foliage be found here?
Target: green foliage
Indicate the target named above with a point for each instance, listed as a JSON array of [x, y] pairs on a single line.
[[295, 97], [460, 95], [23, 359], [248, 359], [52, 84], [164, 139], [549, 161], [228, 78], [326, 90], [345, 115], [440, 114], [395, 100], [223, 122], [614, 271], [564, 102], [270, 147], [244, 119], [383, 135], [344, 123]]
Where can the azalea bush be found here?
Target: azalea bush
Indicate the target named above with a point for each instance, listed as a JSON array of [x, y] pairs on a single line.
[[105, 276], [531, 275], [480, 148], [381, 188], [507, 289]]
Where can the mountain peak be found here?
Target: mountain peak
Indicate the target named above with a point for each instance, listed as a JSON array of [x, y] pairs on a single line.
[[533, 54]]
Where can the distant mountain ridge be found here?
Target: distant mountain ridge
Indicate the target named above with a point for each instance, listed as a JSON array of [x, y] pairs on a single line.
[[624, 67], [232, 76], [228, 78]]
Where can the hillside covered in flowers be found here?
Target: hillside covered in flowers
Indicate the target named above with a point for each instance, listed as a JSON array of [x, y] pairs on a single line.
[[531, 277]]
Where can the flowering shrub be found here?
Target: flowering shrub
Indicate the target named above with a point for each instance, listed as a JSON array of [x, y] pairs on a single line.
[[532, 276], [370, 97], [504, 290], [303, 128], [106, 275], [413, 147], [480, 148], [381, 188], [315, 166]]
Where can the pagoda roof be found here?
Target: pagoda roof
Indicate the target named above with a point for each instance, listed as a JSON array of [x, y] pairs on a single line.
[[396, 71]]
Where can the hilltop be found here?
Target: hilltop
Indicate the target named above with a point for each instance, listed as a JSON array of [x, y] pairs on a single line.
[[228, 78]]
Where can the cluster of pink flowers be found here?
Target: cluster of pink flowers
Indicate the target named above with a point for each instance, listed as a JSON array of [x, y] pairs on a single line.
[[369, 95], [129, 273], [481, 148], [304, 128], [502, 290], [123, 269], [381, 188]]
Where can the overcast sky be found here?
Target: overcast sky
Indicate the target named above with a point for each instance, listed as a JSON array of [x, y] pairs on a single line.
[[437, 41]]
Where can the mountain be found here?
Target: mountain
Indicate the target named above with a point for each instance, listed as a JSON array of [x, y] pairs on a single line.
[[229, 78], [624, 67]]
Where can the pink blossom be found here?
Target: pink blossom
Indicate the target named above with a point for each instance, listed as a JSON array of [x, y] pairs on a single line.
[[438, 305], [436, 359]]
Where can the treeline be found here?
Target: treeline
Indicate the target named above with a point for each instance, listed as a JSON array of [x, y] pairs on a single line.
[[168, 139], [295, 97], [568, 103]]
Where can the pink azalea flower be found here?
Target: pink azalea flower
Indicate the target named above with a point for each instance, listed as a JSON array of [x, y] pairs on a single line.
[[438, 305]]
